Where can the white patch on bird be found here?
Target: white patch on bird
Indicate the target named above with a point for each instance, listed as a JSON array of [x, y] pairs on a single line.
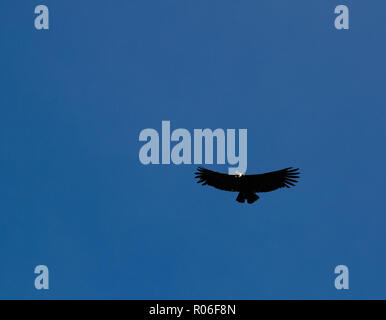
[[238, 174]]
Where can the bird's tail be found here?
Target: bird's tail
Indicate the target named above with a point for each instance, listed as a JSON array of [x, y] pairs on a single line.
[[250, 197]]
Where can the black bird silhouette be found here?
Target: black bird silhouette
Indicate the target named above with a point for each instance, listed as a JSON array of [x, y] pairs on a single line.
[[248, 185]]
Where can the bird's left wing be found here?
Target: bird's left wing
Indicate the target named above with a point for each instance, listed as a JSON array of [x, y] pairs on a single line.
[[216, 179]]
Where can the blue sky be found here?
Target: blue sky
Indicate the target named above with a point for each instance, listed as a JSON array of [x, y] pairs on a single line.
[[75, 197]]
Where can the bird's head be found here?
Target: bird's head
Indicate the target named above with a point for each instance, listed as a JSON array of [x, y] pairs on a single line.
[[238, 174]]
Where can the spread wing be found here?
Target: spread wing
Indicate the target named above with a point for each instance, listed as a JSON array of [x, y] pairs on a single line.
[[216, 179], [273, 180], [255, 182]]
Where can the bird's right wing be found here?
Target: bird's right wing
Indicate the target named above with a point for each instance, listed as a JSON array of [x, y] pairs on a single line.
[[216, 179], [270, 181]]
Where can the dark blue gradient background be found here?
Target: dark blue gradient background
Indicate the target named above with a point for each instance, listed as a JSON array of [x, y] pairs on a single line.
[[74, 196]]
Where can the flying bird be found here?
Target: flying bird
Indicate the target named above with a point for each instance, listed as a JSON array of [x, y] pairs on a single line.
[[250, 184]]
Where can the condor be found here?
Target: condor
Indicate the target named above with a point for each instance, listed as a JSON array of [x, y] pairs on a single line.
[[248, 185]]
